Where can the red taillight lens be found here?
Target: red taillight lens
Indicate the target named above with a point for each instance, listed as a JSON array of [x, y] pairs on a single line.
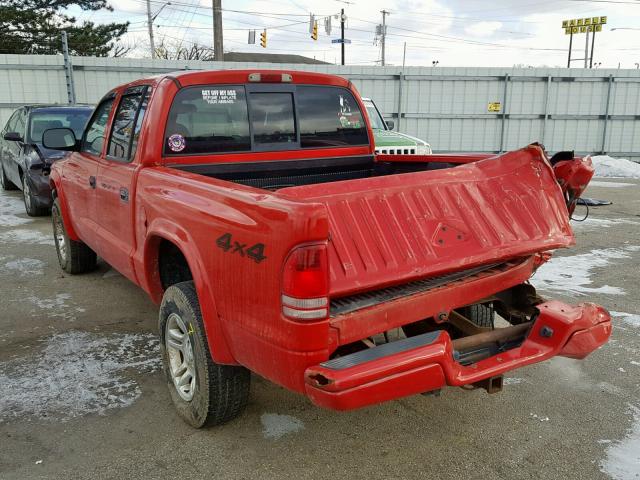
[[305, 283]]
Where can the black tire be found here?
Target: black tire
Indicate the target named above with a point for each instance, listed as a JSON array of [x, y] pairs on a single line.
[[30, 206], [4, 181], [218, 393], [480, 314], [74, 257]]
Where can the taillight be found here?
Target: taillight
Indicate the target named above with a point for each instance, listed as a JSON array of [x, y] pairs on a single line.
[[305, 283]]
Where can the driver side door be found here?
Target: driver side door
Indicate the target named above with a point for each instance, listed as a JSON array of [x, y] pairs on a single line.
[[80, 174]]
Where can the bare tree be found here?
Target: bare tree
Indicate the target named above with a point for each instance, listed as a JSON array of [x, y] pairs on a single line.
[[176, 50], [121, 49]]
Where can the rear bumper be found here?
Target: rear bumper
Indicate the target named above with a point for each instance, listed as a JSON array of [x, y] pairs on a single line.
[[424, 363]]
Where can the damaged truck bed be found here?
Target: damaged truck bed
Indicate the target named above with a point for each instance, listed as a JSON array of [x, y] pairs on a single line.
[[251, 206]]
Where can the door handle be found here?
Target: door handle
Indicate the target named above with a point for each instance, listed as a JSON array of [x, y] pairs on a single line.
[[92, 181], [124, 194]]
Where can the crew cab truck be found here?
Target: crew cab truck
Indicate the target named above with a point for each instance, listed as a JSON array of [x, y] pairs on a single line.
[[251, 207]]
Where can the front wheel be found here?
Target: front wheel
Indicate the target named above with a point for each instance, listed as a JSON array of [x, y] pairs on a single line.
[[30, 205], [203, 392], [73, 256], [4, 181]]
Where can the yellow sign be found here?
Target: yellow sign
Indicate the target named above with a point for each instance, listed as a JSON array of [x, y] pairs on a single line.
[[583, 25], [494, 107], [583, 29]]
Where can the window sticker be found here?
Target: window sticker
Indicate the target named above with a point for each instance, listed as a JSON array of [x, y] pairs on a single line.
[[213, 97], [348, 119], [176, 142]]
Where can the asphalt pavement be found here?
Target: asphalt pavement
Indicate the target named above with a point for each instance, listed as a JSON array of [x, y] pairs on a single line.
[[82, 396]]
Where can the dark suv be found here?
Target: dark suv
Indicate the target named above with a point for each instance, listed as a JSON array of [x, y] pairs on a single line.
[[24, 162]]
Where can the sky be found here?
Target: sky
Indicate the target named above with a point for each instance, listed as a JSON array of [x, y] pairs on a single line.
[[453, 33]]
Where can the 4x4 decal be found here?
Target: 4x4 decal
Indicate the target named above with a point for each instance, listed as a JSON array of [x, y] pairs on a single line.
[[229, 245]]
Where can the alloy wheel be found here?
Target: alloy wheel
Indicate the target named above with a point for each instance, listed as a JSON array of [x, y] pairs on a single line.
[[181, 357]]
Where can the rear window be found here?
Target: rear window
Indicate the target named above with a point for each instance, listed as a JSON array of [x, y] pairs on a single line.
[[208, 119], [226, 118], [329, 117], [272, 118]]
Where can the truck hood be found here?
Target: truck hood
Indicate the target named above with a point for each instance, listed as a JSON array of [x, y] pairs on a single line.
[[398, 228]]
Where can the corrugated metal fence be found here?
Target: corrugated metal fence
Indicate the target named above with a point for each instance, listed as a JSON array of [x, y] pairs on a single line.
[[586, 110]]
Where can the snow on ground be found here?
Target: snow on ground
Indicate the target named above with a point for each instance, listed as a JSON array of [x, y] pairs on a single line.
[[572, 274], [607, 166], [59, 301], [622, 461], [57, 306], [24, 267], [593, 222], [77, 373], [20, 235], [628, 318], [275, 426], [596, 183], [10, 208]]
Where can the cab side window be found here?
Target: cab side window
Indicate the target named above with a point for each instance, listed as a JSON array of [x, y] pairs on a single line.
[[127, 124], [95, 132]]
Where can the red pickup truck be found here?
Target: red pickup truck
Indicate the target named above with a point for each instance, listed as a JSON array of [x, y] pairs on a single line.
[[251, 206]]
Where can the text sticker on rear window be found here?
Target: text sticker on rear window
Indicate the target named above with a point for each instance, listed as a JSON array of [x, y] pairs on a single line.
[[221, 96]]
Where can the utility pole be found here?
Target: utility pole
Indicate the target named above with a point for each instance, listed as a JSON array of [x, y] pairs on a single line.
[[342, 33], [218, 53], [384, 32], [404, 54], [150, 25], [570, 46]]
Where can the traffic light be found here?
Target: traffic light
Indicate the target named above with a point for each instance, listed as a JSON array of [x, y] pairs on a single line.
[[263, 38], [314, 32]]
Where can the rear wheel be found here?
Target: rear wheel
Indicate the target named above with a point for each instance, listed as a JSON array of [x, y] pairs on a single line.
[[74, 256], [204, 392], [33, 210], [4, 181]]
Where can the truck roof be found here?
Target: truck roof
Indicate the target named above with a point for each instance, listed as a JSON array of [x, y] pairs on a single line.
[[199, 77]]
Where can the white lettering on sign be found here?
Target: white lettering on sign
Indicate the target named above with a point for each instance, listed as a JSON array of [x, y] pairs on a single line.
[[220, 96]]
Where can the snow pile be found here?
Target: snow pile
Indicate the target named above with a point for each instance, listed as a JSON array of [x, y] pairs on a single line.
[[571, 275], [607, 166], [623, 457]]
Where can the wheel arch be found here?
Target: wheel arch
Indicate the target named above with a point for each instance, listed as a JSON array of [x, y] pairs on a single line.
[[57, 192], [173, 240]]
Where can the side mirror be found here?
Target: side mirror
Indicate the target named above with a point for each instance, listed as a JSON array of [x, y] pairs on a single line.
[[390, 124], [59, 139], [13, 137]]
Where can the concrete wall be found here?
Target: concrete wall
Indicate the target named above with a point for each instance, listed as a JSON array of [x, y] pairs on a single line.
[[586, 110]]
